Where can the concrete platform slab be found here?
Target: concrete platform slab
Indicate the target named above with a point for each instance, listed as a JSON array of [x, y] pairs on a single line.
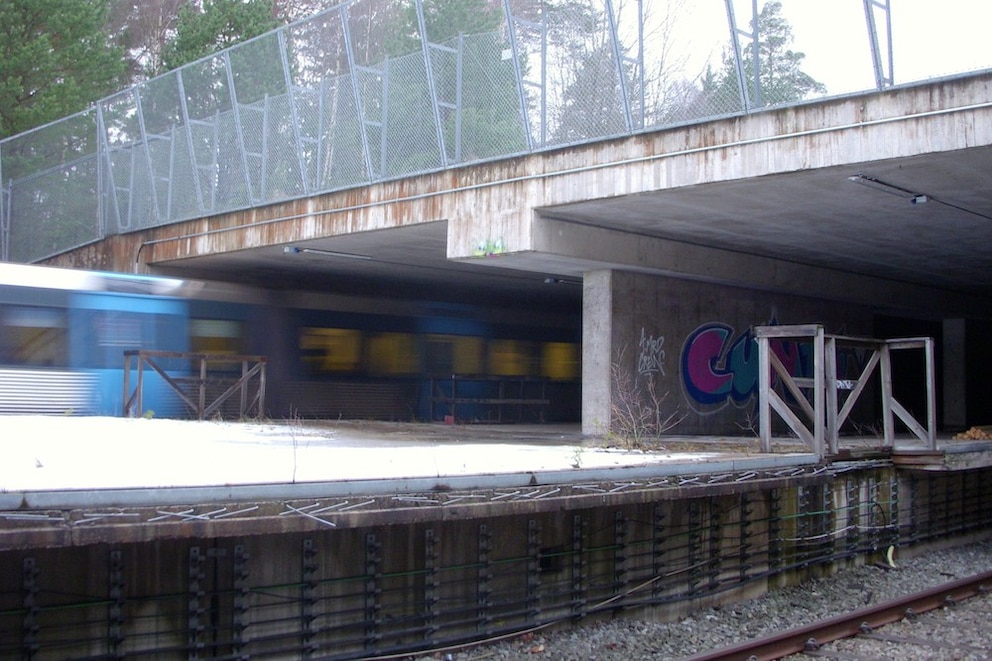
[[62, 461], [87, 456]]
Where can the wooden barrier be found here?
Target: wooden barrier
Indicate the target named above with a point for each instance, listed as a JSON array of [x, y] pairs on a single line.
[[826, 415], [251, 366]]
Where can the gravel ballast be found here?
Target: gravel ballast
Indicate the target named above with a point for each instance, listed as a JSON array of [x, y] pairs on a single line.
[[713, 628]]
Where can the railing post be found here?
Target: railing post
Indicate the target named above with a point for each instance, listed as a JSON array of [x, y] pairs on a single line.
[[127, 386], [203, 388], [830, 384], [888, 425], [764, 391], [141, 384], [819, 422], [261, 391], [931, 395], [244, 388]]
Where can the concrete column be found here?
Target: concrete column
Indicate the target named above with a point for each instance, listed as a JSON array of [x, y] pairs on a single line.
[[955, 374], [597, 349]]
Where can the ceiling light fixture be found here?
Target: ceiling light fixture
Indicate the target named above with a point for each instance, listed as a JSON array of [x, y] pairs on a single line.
[[914, 198], [294, 250], [891, 189]]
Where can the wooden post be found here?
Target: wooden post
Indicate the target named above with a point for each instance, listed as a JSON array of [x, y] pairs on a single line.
[[888, 425], [830, 384], [931, 395], [203, 389], [127, 386], [819, 417], [764, 393]]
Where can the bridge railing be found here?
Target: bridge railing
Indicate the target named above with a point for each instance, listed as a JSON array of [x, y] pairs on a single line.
[[366, 92], [811, 405]]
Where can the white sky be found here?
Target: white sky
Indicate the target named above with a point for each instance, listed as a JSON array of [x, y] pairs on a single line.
[[930, 39]]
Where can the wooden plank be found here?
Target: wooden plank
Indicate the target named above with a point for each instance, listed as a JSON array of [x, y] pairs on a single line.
[[792, 420], [911, 422], [790, 383], [795, 331], [862, 382], [764, 397]]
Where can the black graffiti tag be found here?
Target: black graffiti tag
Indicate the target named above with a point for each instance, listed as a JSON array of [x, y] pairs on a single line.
[[651, 354]]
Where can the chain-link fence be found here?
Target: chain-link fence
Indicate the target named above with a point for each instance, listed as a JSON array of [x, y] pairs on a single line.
[[374, 90]]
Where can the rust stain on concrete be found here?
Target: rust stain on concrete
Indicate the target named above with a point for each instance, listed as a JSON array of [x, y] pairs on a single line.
[[483, 201]]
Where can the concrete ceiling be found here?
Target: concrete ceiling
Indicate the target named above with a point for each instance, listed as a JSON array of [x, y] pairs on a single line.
[[815, 217], [406, 262], [823, 218]]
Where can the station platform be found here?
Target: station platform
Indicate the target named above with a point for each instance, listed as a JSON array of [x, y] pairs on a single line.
[[62, 461], [70, 462]]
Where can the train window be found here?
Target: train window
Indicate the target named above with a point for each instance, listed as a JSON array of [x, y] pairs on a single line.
[[331, 349], [216, 336], [393, 353], [101, 336], [454, 354], [511, 358], [468, 353], [33, 336], [560, 360]]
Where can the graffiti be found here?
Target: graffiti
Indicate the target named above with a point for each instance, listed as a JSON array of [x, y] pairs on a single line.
[[651, 354], [719, 368], [489, 247]]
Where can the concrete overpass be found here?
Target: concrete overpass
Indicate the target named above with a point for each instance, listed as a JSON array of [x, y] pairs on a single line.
[[876, 199], [876, 203], [674, 228]]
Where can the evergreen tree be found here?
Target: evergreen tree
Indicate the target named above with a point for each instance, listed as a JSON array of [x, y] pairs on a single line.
[[480, 114], [586, 78], [143, 27], [214, 26], [780, 75], [718, 91], [55, 60], [444, 19]]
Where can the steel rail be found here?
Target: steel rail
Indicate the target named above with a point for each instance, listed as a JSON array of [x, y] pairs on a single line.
[[811, 636]]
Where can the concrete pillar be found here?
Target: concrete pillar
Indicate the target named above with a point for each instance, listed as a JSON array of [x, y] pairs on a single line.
[[955, 374], [597, 349]]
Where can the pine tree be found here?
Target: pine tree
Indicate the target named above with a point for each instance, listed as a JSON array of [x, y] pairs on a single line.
[[214, 26], [780, 75], [55, 60]]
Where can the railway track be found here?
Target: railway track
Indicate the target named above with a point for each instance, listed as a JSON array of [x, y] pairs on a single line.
[[950, 621]]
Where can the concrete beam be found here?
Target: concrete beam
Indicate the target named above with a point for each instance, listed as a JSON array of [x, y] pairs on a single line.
[[593, 248]]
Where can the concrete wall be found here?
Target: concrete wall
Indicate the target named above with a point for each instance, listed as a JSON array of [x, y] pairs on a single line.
[[345, 592], [693, 341]]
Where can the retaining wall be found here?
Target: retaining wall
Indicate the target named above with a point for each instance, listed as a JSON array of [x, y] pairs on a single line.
[[447, 575]]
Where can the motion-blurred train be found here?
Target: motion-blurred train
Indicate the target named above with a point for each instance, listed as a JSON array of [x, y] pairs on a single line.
[[63, 334]]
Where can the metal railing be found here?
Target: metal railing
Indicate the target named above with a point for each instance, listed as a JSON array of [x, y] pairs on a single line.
[[815, 410], [358, 94]]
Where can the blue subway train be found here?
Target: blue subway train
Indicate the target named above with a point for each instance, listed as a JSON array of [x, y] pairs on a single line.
[[64, 334]]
